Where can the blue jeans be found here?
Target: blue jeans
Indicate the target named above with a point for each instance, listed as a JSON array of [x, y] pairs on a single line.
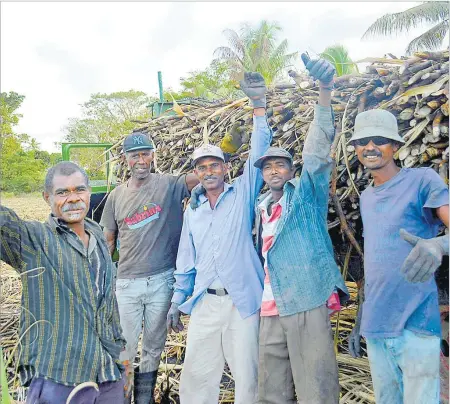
[[405, 369], [143, 305]]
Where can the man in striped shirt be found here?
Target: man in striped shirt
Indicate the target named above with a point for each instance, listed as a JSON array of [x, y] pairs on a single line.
[[302, 280], [69, 326]]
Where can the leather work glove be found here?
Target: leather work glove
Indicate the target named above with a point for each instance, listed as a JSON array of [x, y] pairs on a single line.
[[425, 258], [173, 319], [319, 69], [195, 196], [235, 138], [254, 88]]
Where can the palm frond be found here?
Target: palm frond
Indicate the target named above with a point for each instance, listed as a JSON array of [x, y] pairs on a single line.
[[338, 55], [235, 41], [430, 40], [429, 12]]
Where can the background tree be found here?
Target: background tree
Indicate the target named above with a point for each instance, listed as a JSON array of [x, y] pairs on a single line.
[[431, 12], [23, 164], [256, 49], [338, 55], [214, 82], [108, 117]]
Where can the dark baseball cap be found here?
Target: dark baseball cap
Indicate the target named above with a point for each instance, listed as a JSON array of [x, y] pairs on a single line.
[[137, 141], [273, 152]]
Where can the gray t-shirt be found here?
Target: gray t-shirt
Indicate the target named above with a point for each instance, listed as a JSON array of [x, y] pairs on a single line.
[[148, 221]]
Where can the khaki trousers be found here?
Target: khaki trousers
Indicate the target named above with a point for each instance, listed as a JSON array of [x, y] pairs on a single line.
[[297, 351]]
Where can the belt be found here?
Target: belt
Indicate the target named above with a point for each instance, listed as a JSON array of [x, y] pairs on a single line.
[[217, 292]]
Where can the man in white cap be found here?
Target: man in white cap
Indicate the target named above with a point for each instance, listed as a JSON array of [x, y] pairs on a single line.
[[402, 214], [217, 265]]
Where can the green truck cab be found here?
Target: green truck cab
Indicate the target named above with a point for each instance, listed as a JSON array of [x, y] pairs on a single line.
[[95, 160]]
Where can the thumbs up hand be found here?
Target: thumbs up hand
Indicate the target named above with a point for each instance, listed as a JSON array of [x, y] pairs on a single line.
[[425, 258]]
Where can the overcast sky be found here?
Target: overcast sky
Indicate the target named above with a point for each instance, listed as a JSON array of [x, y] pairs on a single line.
[[57, 54]]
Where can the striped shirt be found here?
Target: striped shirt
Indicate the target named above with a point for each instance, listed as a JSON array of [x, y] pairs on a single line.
[[69, 323], [269, 227]]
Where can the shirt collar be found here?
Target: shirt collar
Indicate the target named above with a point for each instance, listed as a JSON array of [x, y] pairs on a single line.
[[226, 187]]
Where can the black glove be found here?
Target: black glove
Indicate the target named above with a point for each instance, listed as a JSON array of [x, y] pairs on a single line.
[[254, 88], [319, 69], [195, 194]]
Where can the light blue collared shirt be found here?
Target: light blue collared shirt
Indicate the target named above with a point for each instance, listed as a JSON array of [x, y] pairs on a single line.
[[217, 243]]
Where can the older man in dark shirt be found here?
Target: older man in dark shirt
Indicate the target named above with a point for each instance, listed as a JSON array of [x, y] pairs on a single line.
[[69, 327]]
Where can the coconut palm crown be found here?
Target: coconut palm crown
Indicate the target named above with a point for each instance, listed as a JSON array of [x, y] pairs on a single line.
[[430, 12]]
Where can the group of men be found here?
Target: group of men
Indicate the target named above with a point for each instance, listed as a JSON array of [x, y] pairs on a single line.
[[261, 305]]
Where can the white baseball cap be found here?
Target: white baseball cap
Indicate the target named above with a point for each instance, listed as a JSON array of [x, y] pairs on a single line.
[[207, 150], [376, 122]]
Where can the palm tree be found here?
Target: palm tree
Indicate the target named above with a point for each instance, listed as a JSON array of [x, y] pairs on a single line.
[[338, 55], [434, 12], [257, 50]]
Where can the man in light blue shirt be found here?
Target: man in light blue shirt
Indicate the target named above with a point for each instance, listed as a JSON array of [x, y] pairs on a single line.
[[217, 265]]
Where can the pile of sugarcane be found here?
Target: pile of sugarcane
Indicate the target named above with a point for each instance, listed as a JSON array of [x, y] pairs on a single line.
[[414, 89]]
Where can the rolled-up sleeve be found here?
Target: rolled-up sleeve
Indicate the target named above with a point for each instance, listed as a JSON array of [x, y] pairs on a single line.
[[185, 271], [16, 238]]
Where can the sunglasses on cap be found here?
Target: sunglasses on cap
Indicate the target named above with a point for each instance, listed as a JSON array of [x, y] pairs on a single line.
[[377, 140]]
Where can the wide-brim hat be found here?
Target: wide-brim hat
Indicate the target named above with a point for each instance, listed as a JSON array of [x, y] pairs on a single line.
[[376, 122]]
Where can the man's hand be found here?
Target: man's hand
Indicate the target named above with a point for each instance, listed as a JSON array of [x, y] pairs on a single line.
[[354, 342], [254, 88], [425, 258], [195, 196], [319, 69], [173, 319]]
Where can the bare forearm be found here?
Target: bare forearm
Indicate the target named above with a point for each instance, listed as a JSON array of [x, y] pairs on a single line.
[[325, 94], [259, 111], [110, 237]]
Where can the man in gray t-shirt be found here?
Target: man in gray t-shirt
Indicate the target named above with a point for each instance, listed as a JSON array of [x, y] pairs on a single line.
[[144, 217]]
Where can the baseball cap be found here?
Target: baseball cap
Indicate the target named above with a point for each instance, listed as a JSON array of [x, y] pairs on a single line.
[[137, 141], [376, 122], [207, 150], [273, 152]]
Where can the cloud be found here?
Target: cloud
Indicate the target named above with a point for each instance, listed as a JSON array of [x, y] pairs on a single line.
[[64, 51]]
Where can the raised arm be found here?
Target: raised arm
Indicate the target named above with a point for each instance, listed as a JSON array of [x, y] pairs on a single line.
[[254, 87], [317, 163]]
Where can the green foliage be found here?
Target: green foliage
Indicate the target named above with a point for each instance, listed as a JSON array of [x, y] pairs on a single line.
[[107, 117], [256, 49], [211, 83], [338, 55], [23, 165], [9, 104], [434, 12]]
